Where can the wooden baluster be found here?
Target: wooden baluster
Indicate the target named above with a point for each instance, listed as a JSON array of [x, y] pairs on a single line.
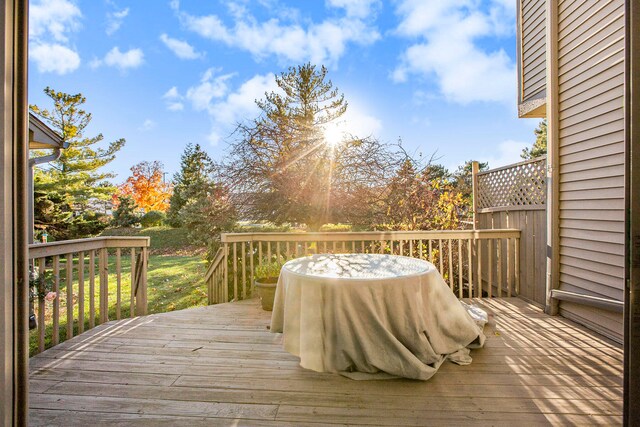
[[92, 289], [479, 260], [509, 268], [118, 282], [141, 294], [490, 262], [411, 248], [401, 245], [80, 292], [235, 271], [362, 245], [132, 296], [244, 271], [470, 268], [278, 251], [499, 255], [430, 252], [344, 247], [252, 272], [225, 286], [334, 246], [450, 264], [215, 284], [55, 338], [269, 252], [69, 289], [440, 265], [516, 258], [259, 253], [324, 245], [460, 281], [41, 304], [103, 269]]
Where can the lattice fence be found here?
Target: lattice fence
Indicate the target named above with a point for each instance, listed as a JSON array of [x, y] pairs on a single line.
[[518, 186]]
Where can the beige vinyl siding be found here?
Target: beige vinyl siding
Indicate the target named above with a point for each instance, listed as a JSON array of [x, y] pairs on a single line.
[[533, 50], [598, 320], [591, 157]]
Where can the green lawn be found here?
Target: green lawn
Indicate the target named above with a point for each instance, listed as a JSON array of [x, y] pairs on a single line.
[[175, 281], [164, 240]]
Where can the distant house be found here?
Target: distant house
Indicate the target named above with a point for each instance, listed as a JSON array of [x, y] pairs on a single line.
[[41, 137]]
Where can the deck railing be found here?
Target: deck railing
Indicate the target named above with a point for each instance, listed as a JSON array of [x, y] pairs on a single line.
[[474, 263], [65, 267]]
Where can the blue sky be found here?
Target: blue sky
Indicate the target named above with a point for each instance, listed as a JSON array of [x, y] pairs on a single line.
[[438, 74]]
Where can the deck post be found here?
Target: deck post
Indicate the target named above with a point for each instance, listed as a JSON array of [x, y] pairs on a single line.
[[14, 233]]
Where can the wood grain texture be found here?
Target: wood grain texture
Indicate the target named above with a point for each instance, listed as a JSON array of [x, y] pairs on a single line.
[[220, 365]]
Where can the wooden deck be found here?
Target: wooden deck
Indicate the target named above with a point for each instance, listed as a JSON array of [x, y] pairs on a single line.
[[219, 365]]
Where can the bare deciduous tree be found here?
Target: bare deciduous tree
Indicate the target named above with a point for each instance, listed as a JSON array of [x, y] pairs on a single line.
[[283, 167]]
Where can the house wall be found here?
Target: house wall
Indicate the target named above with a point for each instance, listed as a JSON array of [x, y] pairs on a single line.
[[532, 49], [591, 158], [583, 102]]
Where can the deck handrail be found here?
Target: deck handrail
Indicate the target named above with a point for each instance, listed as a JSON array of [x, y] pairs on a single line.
[[348, 236], [215, 268], [65, 263], [474, 263]]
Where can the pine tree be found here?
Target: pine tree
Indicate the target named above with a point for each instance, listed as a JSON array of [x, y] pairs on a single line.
[[125, 214], [190, 183], [76, 174], [539, 147]]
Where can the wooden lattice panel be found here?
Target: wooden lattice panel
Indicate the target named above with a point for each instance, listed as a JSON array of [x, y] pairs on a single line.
[[519, 186]]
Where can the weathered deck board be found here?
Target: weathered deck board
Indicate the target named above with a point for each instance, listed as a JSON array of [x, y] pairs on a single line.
[[220, 365]]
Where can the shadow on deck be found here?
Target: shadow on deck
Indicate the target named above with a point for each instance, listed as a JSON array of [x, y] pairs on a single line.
[[219, 365]]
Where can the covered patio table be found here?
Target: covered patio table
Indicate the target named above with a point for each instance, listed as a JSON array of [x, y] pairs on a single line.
[[371, 315]]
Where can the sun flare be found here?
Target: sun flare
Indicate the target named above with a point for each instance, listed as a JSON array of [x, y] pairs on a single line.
[[333, 135]]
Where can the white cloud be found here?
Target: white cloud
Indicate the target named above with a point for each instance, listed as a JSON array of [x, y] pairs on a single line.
[[115, 19], [133, 58], [147, 125], [240, 104], [54, 18], [50, 22], [210, 87], [446, 47], [356, 8], [54, 58], [173, 99], [182, 49], [322, 43]]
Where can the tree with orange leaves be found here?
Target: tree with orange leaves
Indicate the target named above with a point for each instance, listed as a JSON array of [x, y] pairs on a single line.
[[147, 188]]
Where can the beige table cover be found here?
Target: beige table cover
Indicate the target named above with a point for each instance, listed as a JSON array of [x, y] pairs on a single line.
[[371, 313]]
